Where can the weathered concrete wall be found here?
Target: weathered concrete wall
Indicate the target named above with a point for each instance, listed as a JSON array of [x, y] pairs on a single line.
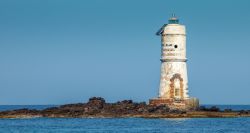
[[187, 104], [168, 70]]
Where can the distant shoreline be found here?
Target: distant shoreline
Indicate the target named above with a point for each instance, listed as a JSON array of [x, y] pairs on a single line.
[[96, 107]]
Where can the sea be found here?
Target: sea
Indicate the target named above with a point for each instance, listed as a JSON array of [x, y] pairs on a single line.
[[124, 125]]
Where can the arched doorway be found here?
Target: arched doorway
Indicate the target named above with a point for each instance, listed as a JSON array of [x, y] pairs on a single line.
[[176, 87]]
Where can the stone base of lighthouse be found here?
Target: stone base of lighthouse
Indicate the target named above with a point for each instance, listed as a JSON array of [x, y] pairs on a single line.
[[187, 104]]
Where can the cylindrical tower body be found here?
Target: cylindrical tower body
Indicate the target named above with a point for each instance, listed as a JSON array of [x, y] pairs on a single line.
[[174, 80]]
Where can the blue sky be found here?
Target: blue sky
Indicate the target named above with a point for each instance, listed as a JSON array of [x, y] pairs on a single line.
[[62, 51]]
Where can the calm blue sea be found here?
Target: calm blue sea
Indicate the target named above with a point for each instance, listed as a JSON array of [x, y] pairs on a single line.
[[123, 125]]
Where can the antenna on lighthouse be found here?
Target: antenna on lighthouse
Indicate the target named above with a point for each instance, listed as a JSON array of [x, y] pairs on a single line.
[[173, 15]]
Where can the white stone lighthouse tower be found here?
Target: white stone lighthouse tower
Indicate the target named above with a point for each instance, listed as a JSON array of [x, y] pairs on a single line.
[[173, 81], [173, 88]]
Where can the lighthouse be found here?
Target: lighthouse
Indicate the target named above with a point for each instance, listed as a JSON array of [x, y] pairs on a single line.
[[173, 87]]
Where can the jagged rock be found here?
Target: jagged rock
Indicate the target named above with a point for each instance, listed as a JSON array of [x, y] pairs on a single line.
[[96, 99], [243, 112], [202, 108], [97, 107], [126, 102], [176, 111], [71, 105], [158, 109], [213, 109], [96, 102]]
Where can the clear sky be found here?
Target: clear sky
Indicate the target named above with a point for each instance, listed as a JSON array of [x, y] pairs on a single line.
[[64, 51]]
